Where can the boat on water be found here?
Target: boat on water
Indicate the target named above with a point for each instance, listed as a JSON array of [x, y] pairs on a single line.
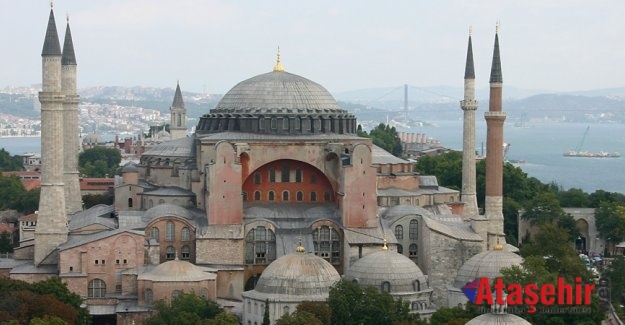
[[588, 154], [578, 152]]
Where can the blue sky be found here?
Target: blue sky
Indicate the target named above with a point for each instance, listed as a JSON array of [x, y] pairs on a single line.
[[343, 45]]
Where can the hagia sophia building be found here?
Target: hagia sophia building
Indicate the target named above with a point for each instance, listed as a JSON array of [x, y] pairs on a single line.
[[273, 199]]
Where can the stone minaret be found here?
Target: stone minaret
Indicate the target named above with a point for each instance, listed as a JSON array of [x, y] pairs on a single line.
[[73, 198], [178, 124], [495, 118], [52, 221], [469, 105]]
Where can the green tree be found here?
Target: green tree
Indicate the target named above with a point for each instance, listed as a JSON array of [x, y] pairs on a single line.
[[90, 200], [446, 167], [223, 318], [385, 137], [600, 196], [553, 244], [574, 198], [545, 209], [8, 162], [11, 191], [451, 316], [266, 317], [6, 243], [319, 309], [351, 304], [29, 201], [616, 272], [299, 317], [99, 161], [185, 309], [48, 320], [610, 221]]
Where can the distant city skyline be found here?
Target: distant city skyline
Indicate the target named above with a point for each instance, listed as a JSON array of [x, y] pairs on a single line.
[[209, 46]]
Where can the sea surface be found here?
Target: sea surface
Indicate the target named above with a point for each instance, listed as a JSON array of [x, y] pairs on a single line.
[[539, 145]]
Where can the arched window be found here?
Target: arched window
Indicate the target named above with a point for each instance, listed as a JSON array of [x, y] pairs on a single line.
[[175, 294], [298, 175], [130, 202], [257, 178], [313, 178], [257, 196], [154, 233], [260, 246], [386, 286], [400, 249], [272, 175], [170, 253], [413, 230], [415, 305], [399, 232], [285, 310], [150, 203], [412, 250], [185, 234], [161, 201], [313, 196], [271, 196], [326, 196], [204, 293], [170, 231], [96, 289], [149, 296], [285, 196], [185, 252], [416, 285], [327, 244]]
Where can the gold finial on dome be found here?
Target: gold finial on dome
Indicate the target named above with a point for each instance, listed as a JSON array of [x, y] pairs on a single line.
[[300, 248], [498, 246], [385, 247], [278, 67]]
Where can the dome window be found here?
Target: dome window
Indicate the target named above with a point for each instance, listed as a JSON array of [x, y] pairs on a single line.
[[386, 286]]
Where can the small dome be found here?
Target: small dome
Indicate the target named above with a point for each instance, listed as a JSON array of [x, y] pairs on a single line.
[[498, 319], [167, 210], [176, 271], [298, 274], [372, 270], [485, 264], [130, 168], [92, 138]]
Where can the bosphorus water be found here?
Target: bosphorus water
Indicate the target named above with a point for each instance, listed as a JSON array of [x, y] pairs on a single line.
[[540, 145]]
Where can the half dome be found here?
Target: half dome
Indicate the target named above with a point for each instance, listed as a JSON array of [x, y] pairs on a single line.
[[278, 102], [177, 271]]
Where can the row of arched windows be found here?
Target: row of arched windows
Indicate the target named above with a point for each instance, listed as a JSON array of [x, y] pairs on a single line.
[[185, 253], [286, 196], [413, 230], [170, 233], [327, 244], [96, 288], [260, 246], [412, 250]]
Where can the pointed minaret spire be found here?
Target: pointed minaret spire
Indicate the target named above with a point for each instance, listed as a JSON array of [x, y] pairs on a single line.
[[51, 45], [469, 70], [69, 57], [178, 123], [495, 70], [178, 102], [469, 106], [278, 67]]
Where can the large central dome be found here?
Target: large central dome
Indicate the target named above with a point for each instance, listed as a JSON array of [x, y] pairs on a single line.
[[278, 92], [278, 102]]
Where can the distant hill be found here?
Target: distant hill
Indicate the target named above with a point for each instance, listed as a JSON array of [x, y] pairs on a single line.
[[425, 103]]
